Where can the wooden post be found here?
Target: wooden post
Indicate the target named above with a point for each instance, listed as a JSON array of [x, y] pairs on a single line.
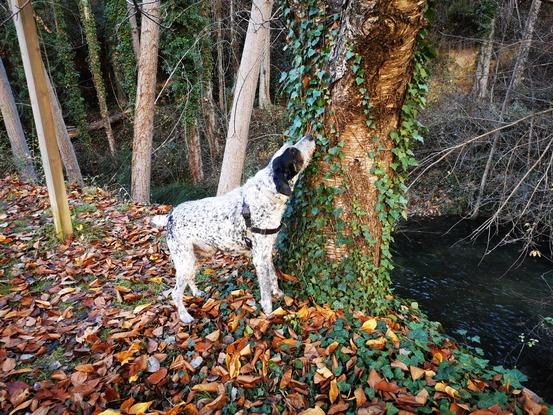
[[43, 115]]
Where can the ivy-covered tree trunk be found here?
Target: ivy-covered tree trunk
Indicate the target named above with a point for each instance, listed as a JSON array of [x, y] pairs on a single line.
[[207, 104], [21, 154], [209, 118], [352, 85], [123, 41], [72, 98], [194, 153], [94, 61], [145, 104]]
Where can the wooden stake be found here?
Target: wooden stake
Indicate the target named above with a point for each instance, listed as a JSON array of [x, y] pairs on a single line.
[[43, 115]]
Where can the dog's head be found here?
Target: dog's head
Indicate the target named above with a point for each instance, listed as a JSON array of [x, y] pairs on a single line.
[[288, 162]]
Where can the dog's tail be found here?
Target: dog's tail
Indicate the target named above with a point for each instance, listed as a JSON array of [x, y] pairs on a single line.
[[160, 220]]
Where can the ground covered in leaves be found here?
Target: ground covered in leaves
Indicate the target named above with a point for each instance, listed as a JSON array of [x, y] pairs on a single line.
[[86, 327]]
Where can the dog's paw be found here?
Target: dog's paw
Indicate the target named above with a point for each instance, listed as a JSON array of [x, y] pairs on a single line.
[[186, 318], [198, 293], [277, 292], [267, 308]]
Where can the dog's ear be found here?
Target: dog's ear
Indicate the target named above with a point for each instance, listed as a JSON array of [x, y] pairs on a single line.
[[285, 168]]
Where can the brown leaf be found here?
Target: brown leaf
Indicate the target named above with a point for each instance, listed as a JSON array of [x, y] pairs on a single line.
[[8, 365], [422, 397], [416, 373], [285, 379], [337, 408], [206, 387], [158, 376], [313, 411], [360, 397], [86, 368], [374, 378], [214, 336]]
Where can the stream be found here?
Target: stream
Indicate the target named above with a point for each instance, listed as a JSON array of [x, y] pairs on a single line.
[[456, 286]]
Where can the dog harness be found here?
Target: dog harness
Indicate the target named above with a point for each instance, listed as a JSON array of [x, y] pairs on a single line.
[[247, 215]]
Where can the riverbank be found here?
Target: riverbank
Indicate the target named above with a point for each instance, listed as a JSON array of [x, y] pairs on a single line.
[[86, 326]]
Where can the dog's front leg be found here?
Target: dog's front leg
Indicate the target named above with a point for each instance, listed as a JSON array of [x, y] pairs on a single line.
[[262, 261], [274, 279]]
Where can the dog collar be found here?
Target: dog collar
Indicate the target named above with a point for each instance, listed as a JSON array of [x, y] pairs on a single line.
[[246, 214]]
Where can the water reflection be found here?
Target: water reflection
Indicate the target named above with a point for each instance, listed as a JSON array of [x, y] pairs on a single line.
[[464, 291]]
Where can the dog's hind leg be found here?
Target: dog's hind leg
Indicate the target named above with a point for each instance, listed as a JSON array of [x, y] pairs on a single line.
[[185, 267]]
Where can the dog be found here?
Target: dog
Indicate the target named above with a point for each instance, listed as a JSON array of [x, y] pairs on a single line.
[[244, 221]]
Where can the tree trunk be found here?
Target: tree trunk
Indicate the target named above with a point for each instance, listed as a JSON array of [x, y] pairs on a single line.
[[194, 153], [134, 29], [94, 61], [244, 95], [480, 89], [72, 98], [516, 78], [524, 49], [145, 106], [233, 42], [67, 152], [387, 58], [344, 213], [208, 110], [23, 160], [265, 73], [220, 67]]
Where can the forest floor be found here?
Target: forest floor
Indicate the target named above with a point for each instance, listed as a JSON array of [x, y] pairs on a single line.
[[87, 326]]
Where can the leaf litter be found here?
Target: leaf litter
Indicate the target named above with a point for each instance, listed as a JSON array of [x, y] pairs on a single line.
[[87, 326]]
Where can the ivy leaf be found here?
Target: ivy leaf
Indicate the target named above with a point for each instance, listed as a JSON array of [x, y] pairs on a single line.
[[514, 377]]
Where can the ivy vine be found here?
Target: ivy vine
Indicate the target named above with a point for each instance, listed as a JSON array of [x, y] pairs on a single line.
[[124, 59], [354, 281]]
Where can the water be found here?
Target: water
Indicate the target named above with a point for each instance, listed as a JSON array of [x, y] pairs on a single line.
[[454, 285]]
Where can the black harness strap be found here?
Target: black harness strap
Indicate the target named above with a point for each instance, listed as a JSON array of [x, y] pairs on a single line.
[[247, 215]]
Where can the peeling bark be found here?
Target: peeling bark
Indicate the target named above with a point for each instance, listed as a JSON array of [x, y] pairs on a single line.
[[384, 33]]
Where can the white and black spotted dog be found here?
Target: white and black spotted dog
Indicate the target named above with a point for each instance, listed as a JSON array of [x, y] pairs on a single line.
[[245, 220]]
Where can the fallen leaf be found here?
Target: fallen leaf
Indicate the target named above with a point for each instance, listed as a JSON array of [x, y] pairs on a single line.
[[442, 387], [416, 373], [206, 387], [139, 408], [369, 326], [334, 391], [140, 308], [158, 376], [313, 411]]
